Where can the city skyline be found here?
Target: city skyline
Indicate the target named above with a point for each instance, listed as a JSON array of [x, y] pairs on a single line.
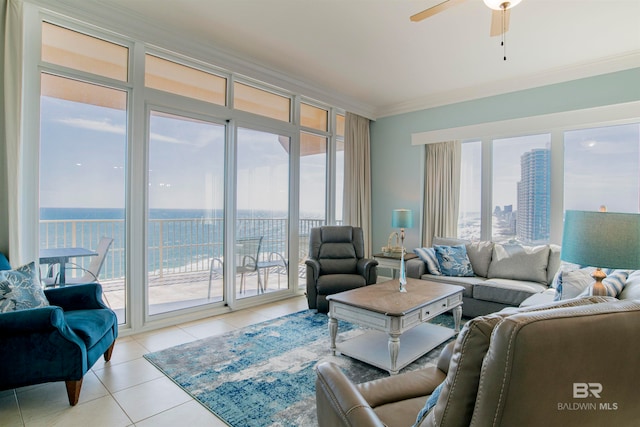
[[606, 159], [601, 167]]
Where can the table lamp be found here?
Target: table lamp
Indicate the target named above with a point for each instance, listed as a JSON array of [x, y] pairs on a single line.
[[402, 218], [601, 240]]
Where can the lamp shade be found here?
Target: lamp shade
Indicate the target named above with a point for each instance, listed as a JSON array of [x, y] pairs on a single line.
[[601, 239], [402, 218], [497, 4]]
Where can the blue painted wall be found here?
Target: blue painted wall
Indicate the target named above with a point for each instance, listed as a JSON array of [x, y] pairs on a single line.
[[398, 167]]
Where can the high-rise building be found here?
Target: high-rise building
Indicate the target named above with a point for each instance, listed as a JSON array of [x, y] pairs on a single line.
[[533, 209]]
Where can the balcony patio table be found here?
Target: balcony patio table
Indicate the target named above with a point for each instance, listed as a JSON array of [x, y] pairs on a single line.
[[61, 256]]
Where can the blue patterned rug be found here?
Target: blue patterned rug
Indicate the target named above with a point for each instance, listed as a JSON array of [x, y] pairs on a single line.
[[263, 375]]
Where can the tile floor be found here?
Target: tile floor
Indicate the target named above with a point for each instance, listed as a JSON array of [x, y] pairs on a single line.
[[129, 391]]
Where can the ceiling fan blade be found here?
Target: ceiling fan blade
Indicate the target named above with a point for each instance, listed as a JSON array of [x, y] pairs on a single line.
[[446, 4], [496, 22]]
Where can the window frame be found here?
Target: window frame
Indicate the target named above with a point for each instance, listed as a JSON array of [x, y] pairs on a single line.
[[139, 99], [565, 122]]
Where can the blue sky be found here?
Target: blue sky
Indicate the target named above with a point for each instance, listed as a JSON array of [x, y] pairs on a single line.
[[87, 146], [83, 154], [601, 167]]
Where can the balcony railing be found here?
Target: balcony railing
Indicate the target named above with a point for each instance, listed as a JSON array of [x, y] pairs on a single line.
[[173, 245]]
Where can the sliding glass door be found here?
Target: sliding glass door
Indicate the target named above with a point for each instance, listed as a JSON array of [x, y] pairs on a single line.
[[262, 213], [185, 219]]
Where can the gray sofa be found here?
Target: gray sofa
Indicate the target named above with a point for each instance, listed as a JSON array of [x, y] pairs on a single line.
[[505, 275]]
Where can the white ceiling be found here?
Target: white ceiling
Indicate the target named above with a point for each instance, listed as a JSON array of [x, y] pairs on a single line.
[[369, 52]]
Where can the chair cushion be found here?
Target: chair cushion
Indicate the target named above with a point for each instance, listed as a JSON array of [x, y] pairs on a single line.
[[466, 282], [458, 394], [20, 289], [90, 325], [4, 262], [337, 258], [336, 234], [334, 283], [506, 291]]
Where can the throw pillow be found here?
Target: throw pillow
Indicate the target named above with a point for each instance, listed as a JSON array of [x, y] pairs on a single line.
[[519, 262], [428, 256], [453, 261], [632, 286], [428, 406], [480, 256], [613, 284], [20, 289], [571, 283], [564, 267]]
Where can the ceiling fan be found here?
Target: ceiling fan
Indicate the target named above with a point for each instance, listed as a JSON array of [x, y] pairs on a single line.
[[499, 17]]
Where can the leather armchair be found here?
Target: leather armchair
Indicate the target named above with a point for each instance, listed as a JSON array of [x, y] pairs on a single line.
[[518, 367], [336, 263], [60, 342]]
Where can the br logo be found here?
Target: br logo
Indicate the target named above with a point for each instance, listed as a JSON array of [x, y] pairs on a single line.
[[584, 390]]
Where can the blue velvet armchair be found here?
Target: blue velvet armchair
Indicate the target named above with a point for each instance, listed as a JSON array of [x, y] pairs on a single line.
[[60, 342]]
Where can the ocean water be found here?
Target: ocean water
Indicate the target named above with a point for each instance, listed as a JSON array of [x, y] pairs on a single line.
[[178, 240], [116, 213]]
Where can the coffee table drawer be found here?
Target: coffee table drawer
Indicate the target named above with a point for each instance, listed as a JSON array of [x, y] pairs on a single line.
[[439, 307]]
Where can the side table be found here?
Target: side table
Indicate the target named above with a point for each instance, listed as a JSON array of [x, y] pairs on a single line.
[[392, 262]]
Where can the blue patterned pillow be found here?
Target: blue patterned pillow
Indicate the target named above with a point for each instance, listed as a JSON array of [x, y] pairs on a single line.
[[428, 406], [428, 256], [613, 283], [20, 289], [454, 261]]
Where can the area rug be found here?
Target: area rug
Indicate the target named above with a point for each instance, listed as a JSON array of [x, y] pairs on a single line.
[[263, 375]]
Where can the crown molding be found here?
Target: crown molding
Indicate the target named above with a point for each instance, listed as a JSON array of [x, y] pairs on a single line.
[[138, 27], [135, 26], [559, 75], [608, 115]]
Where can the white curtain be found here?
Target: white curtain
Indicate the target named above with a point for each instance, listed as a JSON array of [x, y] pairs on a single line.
[[357, 176], [441, 190], [11, 224]]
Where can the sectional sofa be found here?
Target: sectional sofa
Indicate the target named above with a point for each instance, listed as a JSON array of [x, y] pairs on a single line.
[[503, 275]]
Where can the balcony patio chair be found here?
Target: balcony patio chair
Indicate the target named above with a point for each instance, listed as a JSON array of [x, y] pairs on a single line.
[[247, 255], [275, 261], [90, 274]]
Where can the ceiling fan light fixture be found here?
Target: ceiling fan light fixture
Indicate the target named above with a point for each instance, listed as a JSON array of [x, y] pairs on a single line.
[[501, 4]]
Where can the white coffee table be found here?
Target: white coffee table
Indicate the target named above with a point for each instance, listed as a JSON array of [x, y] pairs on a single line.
[[391, 315]]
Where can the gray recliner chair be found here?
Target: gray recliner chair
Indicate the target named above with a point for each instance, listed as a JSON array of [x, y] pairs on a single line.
[[569, 363], [336, 263]]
